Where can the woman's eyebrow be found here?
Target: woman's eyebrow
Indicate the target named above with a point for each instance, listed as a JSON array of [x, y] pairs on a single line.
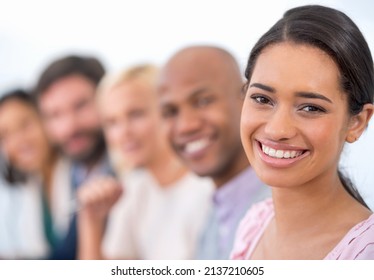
[[303, 94], [263, 87], [312, 95]]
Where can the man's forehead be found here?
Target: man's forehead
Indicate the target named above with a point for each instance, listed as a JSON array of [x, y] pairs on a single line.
[[190, 71], [180, 77], [192, 65], [64, 99], [186, 81], [183, 93]]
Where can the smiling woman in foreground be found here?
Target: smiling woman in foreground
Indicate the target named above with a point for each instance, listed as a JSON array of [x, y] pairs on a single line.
[[310, 84]]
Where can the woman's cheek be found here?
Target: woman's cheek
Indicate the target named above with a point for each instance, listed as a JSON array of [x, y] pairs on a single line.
[[247, 125]]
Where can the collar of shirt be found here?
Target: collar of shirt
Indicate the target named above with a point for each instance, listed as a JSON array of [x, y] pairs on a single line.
[[236, 194]]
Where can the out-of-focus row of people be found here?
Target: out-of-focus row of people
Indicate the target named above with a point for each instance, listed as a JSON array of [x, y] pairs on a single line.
[[125, 165], [52, 142]]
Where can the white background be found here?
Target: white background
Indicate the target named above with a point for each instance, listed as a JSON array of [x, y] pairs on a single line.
[[122, 33]]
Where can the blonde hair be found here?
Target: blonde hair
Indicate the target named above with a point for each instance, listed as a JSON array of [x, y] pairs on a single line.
[[144, 73]]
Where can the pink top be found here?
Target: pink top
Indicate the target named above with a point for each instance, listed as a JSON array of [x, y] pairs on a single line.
[[357, 244]]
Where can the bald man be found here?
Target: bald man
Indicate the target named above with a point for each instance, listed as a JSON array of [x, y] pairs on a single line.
[[200, 95]]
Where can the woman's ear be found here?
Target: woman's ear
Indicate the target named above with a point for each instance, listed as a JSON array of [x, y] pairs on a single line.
[[359, 122]]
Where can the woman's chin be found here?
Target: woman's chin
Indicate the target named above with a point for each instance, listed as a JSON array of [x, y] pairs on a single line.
[[276, 180]]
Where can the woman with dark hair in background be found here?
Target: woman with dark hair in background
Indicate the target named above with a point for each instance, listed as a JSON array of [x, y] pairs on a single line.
[[30, 216], [309, 91]]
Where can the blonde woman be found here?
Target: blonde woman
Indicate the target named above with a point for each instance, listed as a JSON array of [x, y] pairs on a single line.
[[164, 205]]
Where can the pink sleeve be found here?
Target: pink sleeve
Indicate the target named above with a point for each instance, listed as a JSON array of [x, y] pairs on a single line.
[[251, 228]]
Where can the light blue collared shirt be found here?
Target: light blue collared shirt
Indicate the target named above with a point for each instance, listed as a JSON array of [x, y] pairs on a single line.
[[230, 203]]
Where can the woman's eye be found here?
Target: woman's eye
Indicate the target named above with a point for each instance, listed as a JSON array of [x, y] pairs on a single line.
[[313, 109], [261, 99]]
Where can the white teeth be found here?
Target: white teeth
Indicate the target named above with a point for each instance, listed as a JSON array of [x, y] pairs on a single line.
[[267, 149], [272, 152], [197, 145], [280, 153]]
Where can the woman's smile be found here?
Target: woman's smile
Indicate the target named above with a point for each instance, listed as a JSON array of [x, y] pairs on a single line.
[[278, 157]]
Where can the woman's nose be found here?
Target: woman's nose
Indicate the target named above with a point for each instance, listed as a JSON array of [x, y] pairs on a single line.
[[280, 125]]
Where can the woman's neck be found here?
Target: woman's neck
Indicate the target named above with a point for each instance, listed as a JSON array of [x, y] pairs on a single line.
[[166, 167], [314, 206], [309, 220]]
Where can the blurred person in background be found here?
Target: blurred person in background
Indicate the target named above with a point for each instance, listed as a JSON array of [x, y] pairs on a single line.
[[200, 94], [33, 206], [65, 94], [164, 205]]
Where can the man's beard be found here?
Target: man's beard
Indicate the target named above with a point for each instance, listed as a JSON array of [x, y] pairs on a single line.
[[92, 153]]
